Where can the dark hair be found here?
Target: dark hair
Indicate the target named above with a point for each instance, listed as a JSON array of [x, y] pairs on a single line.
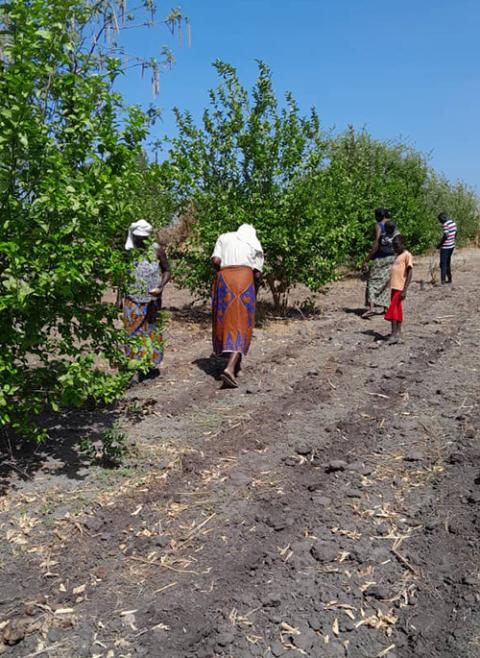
[[388, 214], [390, 229], [443, 217], [398, 242], [380, 214]]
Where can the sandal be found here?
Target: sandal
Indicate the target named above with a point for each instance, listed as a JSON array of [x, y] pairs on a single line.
[[228, 380], [367, 314], [395, 340]]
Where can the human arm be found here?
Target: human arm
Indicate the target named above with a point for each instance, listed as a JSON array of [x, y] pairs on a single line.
[[119, 299], [257, 279], [164, 266], [444, 237], [408, 280], [217, 254], [374, 248], [165, 270]]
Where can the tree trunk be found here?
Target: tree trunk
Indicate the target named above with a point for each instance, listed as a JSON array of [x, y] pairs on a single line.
[[279, 292]]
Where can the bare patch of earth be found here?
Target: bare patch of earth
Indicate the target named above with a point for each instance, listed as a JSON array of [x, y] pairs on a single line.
[[329, 507]]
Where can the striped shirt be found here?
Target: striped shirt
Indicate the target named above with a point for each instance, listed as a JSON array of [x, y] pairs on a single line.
[[449, 233]]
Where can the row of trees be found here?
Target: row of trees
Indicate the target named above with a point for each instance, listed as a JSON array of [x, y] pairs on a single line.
[[310, 193], [73, 176]]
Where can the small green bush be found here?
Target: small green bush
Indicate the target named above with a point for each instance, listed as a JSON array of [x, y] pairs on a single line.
[[110, 451]]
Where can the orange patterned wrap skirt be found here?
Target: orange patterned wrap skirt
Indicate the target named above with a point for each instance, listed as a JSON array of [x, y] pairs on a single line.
[[140, 319], [233, 308]]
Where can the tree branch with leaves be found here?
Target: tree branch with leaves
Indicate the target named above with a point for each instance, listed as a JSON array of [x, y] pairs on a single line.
[[69, 149]]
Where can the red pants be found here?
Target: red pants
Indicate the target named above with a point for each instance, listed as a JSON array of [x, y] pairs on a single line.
[[395, 311]]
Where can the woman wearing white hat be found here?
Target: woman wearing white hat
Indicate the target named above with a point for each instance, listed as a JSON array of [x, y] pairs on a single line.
[[143, 295]]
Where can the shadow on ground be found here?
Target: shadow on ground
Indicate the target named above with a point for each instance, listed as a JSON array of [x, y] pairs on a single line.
[[189, 314], [61, 453], [374, 334], [212, 366], [354, 311]]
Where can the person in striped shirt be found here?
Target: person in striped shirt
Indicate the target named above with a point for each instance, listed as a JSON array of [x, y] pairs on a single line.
[[446, 246]]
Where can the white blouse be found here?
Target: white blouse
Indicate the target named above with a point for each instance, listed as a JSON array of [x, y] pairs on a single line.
[[234, 252]]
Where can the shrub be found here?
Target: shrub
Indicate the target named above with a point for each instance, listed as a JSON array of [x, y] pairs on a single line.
[[364, 174], [251, 161], [110, 450], [310, 195], [68, 178], [457, 200]]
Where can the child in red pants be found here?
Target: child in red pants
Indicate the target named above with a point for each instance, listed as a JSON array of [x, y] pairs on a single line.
[[400, 278]]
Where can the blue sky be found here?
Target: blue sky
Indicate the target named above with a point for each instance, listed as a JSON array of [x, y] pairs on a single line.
[[402, 68]]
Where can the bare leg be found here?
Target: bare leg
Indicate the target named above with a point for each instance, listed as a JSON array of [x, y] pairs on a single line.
[[395, 331], [396, 335], [228, 375], [233, 361], [369, 312], [238, 365]]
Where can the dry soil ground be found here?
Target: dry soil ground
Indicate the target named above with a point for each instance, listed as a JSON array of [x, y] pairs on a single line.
[[329, 507]]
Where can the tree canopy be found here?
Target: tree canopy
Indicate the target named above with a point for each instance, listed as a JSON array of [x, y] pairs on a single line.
[[309, 193], [69, 176]]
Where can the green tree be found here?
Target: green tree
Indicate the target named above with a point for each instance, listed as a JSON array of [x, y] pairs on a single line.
[[251, 161], [365, 173], [155, 200], [459, 201], [310, 195], [68, 173]]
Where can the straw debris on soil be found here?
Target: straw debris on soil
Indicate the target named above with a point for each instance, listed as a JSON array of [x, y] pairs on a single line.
[[326, 508]]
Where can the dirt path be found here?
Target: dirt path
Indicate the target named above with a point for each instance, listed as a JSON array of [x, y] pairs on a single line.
[[328, 508]]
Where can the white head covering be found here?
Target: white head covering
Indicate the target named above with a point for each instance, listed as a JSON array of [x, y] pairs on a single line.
[[246, 233], [140, 229]]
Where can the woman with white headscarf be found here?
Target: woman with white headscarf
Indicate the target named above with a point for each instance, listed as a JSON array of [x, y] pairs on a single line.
[[142, 298], [238, 258]]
